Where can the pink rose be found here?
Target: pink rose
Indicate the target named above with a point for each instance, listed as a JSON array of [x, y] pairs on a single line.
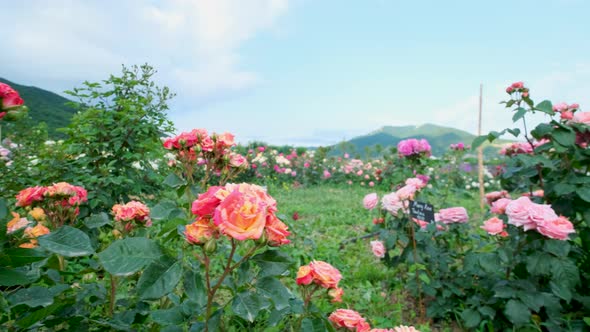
[[581, 117], [420, 223], [499, 206], [27, 196], [12, 100], [304, 275], [493, 226], [238, 161], [370, 201], [452, 215], [496, 195], [567, 115], [406, 192], [403, 328], [558, 228], [327, 174], [224, 140], [349, 319], [206, 202], [391, 203], [378, 248], [519, 211], [416, 182], [517, 85]]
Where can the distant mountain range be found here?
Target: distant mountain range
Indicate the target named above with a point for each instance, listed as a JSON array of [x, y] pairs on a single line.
[[45, 106], [439, 137]]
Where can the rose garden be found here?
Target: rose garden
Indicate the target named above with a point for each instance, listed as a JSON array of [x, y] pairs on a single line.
[[128, 225]]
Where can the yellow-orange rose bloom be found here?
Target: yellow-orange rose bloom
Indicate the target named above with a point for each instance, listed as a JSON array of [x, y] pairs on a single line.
[[241, 215]]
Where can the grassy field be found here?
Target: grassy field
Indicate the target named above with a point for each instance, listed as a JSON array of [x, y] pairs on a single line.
[[329, 215]]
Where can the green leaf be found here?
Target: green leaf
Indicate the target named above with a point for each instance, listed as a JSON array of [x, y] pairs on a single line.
[[41, 314], [97, 220], [514, 132], [565, 138], [517, 313], [565, 272], [127, 256], [171, 316], [313, 324], [195, 288], [487, 311], [471, 318], [173, 181], [10, 277], [539, 264], [542, 130], [532, 300], [67, 241], [561, 291], [520, 112], [275, 291], [563, 189], [247, 305], [545, 106], [33, 297], [557, 247], [584, 193], [16, 257], [159, 279], [3, 209], [272, 263], [479, 140]]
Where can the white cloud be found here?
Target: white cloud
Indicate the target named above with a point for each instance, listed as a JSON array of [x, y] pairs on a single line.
[[194, 44]]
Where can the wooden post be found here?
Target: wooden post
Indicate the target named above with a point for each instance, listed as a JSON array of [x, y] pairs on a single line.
[[480, 154]]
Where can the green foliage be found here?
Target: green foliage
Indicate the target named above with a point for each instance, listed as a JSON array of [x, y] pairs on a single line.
[[114, 140]]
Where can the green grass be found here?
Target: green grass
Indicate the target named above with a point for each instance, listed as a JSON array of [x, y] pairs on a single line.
[[328, 216]]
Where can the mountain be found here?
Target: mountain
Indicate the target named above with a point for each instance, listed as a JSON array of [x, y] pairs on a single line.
[[45, 106], [439, 137]]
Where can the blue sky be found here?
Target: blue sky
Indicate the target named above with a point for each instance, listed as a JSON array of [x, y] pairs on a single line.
[[309, 72]]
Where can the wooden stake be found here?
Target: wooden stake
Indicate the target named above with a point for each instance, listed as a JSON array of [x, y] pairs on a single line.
[[480, 153]]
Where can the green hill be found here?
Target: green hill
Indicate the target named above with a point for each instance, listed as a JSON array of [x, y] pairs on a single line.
[[439, 137], [45, 106]]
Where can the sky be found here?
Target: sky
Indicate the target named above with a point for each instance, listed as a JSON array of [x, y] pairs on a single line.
[[310, 72]]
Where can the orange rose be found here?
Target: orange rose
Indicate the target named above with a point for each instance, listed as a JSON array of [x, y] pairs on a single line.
[[200, 231], [37, 213], [349, 319], [241, 215], [16, 223], [304, 275], [276, 231], [35, 232], [325, 274], [336, 294]]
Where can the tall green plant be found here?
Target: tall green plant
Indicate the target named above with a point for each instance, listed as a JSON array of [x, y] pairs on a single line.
[[115, 137]]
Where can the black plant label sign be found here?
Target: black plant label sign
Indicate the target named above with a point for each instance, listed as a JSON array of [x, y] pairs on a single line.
[[422, 211]]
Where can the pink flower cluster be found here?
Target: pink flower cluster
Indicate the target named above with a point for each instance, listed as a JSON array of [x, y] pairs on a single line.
[[131, 212], [67, 194], [353, 321], [239, 211], [397, 200], [518, 87], [511, 149], [12, 103], [496, 195], [323, 275], [522, 212], [458, 147], [412, 148], [566, 111]]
